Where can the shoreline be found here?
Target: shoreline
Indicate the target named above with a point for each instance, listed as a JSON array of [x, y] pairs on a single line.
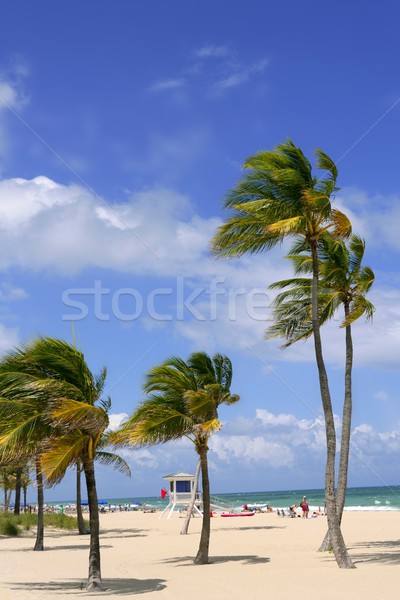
[[142, 553]]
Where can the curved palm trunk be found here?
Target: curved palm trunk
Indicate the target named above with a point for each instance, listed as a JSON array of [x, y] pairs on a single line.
[[81, 523], [339, 548], [202, 554], [39, 545], [190, 508], [94, 578], [346, 433], [17, 502]]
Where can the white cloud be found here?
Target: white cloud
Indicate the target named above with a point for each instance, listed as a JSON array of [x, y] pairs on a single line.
[[9, 293], [115, 420], [238, 75], [381, 395], [12, 99], [167, 84], [9, 338], [212, 51], [46, 226], [269, 446], [212, 70]]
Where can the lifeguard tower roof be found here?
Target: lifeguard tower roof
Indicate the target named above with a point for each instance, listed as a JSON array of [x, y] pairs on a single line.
[[178, 476]]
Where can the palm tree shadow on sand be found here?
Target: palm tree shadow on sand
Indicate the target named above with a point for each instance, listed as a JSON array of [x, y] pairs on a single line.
[[70, 587], [248, 559], [387, 551]]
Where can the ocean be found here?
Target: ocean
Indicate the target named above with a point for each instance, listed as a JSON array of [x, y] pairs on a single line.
[[358, 498]]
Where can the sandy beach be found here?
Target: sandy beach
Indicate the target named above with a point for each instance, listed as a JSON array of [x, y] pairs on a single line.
[[250, 558]]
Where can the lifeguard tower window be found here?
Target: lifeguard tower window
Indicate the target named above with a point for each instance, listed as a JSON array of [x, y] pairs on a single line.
[[183, 486]]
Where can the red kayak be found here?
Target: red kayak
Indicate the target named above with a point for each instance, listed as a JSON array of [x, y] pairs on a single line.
[[243, 514]]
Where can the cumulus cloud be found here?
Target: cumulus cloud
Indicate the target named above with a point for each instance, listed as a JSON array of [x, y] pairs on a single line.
[[267, 446], [64, 229], [115, 420]]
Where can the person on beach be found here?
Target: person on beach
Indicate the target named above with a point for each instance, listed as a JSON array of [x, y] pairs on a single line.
[[304, 507]]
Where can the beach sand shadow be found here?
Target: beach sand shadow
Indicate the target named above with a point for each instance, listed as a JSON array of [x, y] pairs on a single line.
[[123, 533], [84, 547], [388, 552], [248, 559], [255, 528], [120, 587]]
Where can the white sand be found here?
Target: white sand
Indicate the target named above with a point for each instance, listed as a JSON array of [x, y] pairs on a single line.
[[251, 558]]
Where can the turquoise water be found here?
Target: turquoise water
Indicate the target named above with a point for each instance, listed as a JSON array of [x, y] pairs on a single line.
[[362, 498]]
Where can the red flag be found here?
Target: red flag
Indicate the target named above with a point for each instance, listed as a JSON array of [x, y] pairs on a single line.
[[163, 493]]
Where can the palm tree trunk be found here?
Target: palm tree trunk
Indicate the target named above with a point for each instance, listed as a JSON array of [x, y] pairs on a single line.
[[5, 488], [24, 487], [190, 508], [94, 578], [81, 523], [40, 518], [17, 502], [339, 548], [346, 433], [202, 554]]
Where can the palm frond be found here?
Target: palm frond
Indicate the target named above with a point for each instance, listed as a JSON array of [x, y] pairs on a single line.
[[108, 459], [61, 454]]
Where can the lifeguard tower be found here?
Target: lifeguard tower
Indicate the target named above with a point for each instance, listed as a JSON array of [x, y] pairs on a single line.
[[181, 486]]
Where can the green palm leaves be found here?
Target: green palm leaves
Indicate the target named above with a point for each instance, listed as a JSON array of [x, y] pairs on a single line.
[[344, 282], [279, 196], [183, 400]]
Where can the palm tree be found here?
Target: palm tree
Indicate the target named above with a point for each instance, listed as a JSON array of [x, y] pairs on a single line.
[[24, 429], [279, 197], [344, 283], [7, 482], [73, 393], [50, 412], [183, 401]]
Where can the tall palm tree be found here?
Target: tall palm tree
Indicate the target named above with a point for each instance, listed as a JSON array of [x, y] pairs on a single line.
[[279, 197], [49, 409], [78, 414], [344, 283], [183, 401]]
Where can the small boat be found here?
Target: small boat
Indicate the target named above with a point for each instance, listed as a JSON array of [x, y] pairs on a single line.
[[242, 514]]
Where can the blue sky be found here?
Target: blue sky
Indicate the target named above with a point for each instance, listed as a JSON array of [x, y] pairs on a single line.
[[122, 126]]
